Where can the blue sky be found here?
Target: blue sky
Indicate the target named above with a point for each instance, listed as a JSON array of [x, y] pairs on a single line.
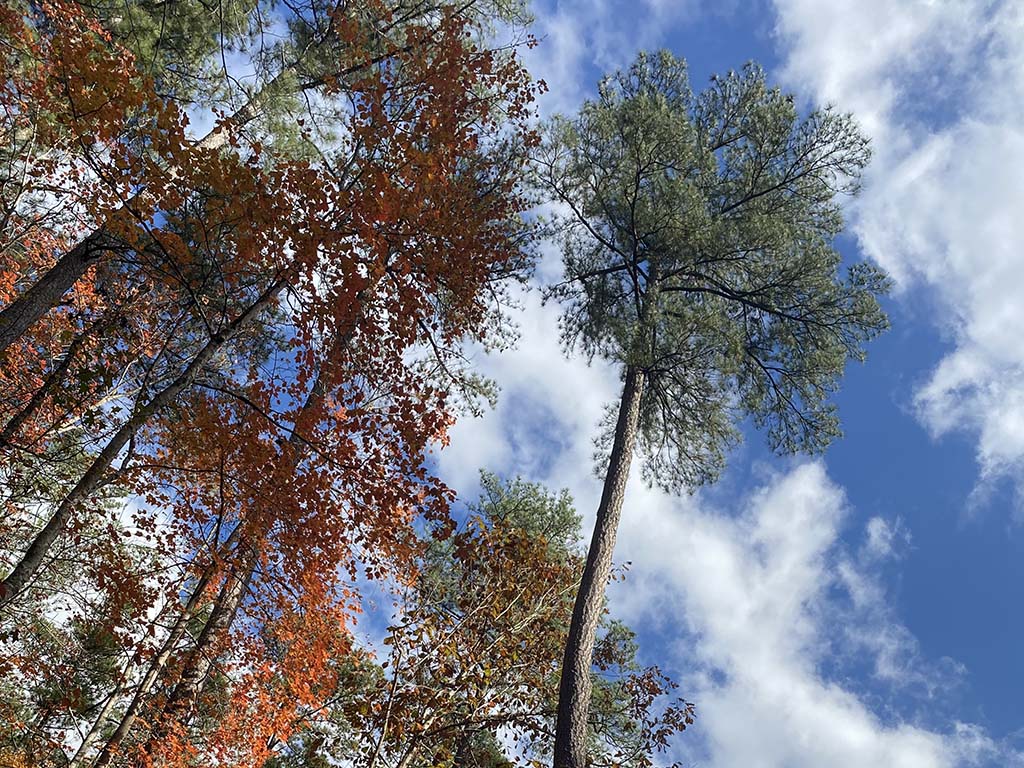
[[863, 608]]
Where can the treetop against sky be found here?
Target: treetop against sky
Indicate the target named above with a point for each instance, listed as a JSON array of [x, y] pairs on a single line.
[[860, 608]]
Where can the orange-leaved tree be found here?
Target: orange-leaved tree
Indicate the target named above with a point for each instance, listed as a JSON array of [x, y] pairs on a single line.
[[74, 55], [472, 653], [259, 367]]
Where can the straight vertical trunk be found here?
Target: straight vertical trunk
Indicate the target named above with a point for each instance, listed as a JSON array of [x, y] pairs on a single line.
[[19, 577], [575, 687]]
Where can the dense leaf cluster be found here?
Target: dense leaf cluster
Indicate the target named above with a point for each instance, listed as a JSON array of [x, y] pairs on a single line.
[[698, 245]]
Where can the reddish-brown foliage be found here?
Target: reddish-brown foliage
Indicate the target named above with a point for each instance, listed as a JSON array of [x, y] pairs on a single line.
[[258, 357]]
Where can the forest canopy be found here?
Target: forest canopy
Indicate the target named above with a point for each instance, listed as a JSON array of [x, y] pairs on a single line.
[[250, 250]]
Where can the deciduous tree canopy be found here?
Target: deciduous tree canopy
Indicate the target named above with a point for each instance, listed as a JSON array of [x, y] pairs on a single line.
[[226, 359]]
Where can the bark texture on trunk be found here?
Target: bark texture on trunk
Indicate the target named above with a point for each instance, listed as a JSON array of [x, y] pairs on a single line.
[[575, 687], [47, 292], [19, 577], [182, 701]]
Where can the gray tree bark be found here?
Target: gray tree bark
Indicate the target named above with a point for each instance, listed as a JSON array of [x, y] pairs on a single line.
[[574, 690], [24, 311], [19, 577], [47, 292]]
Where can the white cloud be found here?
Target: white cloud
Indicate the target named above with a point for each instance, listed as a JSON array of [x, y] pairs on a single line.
[[870, 55], [547, 413], [882, 538], [940, 87], [868, 625], [764, 594], [583, 39]]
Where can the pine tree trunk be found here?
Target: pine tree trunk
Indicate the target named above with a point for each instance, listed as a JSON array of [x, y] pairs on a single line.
[[575, 688], [182, 702], [19, 577], [45, 294]]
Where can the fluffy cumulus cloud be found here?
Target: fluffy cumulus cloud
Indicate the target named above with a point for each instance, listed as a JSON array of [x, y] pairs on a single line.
[[940, 86], [543, 425]]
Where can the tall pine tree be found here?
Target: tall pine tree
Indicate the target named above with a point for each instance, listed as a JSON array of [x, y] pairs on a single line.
[[699, 260]]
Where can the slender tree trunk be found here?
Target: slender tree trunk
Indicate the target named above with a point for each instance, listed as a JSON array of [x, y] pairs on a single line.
[[93, 733], [47, 292], [575, 688], [21, 314], [412, 751], [182, 701], [159, 662], [19, 577]]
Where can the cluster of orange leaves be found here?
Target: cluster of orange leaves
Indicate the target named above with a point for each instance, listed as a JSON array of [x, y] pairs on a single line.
[[357, 270]]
